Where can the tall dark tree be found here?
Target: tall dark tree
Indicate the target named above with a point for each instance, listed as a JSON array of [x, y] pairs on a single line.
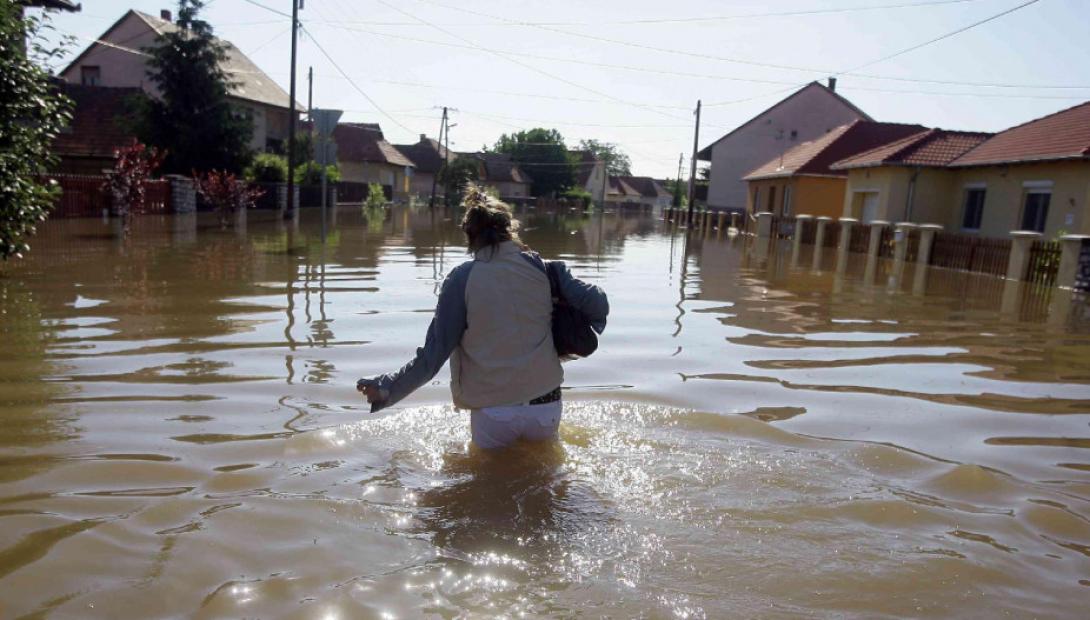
[[32, 113], [193, 119], [617, 161], [543, 155]]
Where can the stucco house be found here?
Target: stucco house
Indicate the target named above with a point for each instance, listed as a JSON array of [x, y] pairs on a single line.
[[805, 115], [428, 156], [590, 174], [638, 191], [1035, 176], [117, 60], [364, 156], [499, 172], [802, 181], [908, 180]]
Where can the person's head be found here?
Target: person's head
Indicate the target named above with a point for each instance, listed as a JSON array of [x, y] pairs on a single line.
[[487, 222]]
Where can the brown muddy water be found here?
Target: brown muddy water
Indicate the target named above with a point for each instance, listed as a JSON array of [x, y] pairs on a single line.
[[757, 437]]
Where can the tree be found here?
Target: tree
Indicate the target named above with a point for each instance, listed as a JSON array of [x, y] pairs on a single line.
[[617, 162], [226, 193], [543, 155], [32, 113], [127, 182], [456, 175], [193, 119]]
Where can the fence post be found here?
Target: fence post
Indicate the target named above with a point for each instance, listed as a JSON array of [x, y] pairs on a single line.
[[875, 240], [1021, 242], [764, 224], [819, 240], [183, 195], [845, 244], [902, 231], [923, 257], [1071, 249], [722, 218], [801, 221], [734, 221]]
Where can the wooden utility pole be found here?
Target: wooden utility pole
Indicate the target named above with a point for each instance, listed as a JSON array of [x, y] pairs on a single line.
[[435, 177], [446, 154], [290, 212], [310, 93], [692, 165], [677, 188]]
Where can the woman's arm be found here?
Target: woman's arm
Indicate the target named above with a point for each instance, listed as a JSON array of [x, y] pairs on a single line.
[[444, 334], [583, 296]]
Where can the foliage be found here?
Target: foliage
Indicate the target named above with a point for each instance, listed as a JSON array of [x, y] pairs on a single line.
[[579, 196], [543, 155], [678, 189], [32, 113], [703, 175], [193, 120], [127, 182], [376, 196], [226, 193], [267, 168], [456, 175], [310, 173], [617, 162]]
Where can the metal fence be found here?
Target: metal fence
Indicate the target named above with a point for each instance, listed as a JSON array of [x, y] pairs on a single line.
[[859, 241], [81, 195], [1044, 262], [968, 253]]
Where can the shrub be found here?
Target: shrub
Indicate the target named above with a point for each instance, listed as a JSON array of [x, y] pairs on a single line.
[[267, 168], [578, 195], [226, 193], [310, 173], [376, 196], [127, 182]]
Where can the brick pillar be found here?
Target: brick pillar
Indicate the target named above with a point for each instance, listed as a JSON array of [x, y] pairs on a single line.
[[183, 194], [1073, 251], [1021, 240]]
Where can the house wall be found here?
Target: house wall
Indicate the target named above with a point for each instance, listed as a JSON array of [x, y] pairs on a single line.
[[818, 196], [810, 114], [596, 184], [510, 190], [373, 172], [890, 184], [760, 190], [420, 184], [1005, 194]]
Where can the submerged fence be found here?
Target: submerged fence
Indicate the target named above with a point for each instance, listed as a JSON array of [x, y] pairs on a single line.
[[968, 253], [86, 195], [1044, 262]]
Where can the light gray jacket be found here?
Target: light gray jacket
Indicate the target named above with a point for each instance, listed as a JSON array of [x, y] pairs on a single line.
[[494, 322]]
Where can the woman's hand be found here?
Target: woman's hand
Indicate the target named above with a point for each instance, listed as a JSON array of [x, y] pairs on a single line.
[[372, 390]]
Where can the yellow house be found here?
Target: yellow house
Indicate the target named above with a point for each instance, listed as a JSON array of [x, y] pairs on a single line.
[[907, 180], [801, 180], [1035, 176], [364, 156]]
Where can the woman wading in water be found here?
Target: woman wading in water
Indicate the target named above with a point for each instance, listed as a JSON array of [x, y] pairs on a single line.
[[494, 322]]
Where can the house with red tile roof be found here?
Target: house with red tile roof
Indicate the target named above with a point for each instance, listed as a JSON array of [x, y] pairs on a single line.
[[1035, 176], [428, 156], [364, 156], [907, 180], [803, 116], [802, 179], [637, 191], [499, 172]]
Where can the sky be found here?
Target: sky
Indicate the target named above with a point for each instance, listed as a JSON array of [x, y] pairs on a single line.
[[631, 71]]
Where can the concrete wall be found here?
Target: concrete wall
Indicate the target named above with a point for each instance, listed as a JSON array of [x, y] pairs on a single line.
[[810, 114], [511, 190], [761, 191]]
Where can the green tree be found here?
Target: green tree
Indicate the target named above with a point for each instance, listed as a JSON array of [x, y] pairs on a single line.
[[456, 175], [32, 113], [617, 162], [543, 155], [193, 120], [267, 168]]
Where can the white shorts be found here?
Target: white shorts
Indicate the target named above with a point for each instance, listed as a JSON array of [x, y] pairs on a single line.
[[498, 427]]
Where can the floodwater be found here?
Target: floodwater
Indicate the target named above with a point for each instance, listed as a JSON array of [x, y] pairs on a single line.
[[758, 436]]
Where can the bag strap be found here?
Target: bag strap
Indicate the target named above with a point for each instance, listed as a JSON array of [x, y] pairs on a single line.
[[547, 266]]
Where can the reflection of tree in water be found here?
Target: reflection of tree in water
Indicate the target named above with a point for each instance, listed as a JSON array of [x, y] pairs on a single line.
[[24, 394], [521, 502]]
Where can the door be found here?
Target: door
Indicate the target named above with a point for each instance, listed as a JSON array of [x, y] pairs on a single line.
[[870, 206]]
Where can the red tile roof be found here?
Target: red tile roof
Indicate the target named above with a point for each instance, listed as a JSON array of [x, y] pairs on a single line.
[[364, 142], [815, 157], [1063, 135], [427, 154], [100, 121], [643, 186], [934, 147]]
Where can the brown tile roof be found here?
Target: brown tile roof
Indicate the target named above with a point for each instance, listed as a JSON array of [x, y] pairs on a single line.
[[1062, 135], [500, 168], [364, 142], [705, 154], [643, 186], [816, 157], [619, 187], [934, 147], [100, 121], [427, 154]]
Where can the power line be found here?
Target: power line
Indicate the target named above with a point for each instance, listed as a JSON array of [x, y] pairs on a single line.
[[269, 8], [353, 83]]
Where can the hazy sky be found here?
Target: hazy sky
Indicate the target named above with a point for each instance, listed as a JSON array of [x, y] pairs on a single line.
[[513, 65]]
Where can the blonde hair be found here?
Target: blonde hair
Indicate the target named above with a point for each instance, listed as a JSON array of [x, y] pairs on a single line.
[[488, 221]]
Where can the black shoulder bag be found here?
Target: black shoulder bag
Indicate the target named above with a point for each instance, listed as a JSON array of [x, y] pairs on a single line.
[[572, 333]]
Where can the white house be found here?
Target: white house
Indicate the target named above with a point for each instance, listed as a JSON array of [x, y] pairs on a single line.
[[808, 113]]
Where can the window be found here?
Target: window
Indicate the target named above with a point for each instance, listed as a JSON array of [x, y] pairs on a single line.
[[90, 75], [787, 201], [756, 198], [1035, 209], [974, 208], [771, 199]]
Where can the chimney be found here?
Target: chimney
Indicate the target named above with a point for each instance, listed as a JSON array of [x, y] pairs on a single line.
[[832, 84], [165, 15]]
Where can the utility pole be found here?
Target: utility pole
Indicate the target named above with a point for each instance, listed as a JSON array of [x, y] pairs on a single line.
[[290, 212], [310, 93], [692, 168], [446, 158], [677, 187], [435, 177]]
